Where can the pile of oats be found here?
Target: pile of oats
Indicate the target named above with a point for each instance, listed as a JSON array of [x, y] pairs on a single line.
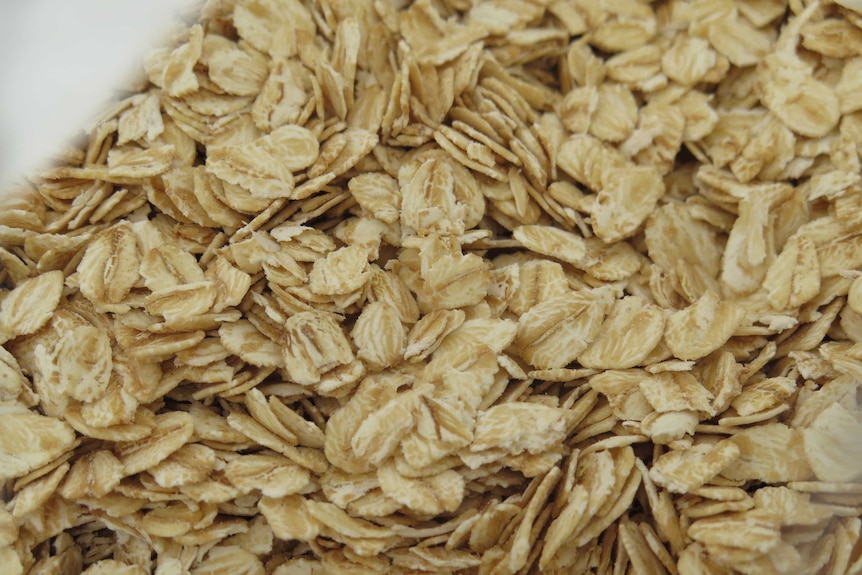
[[451, 286]]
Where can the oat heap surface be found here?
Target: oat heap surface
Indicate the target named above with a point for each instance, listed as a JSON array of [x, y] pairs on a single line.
[[450, 286]]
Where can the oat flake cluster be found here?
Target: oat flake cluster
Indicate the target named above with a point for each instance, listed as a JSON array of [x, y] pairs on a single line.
[[449, 286]]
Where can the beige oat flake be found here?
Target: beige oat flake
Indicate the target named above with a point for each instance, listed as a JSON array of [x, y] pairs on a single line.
[[447, 286]]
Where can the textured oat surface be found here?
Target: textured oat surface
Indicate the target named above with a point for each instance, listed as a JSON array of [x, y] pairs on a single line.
[[488, 287]]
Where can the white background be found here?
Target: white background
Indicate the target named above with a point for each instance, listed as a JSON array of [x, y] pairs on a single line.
[[59, 60]]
